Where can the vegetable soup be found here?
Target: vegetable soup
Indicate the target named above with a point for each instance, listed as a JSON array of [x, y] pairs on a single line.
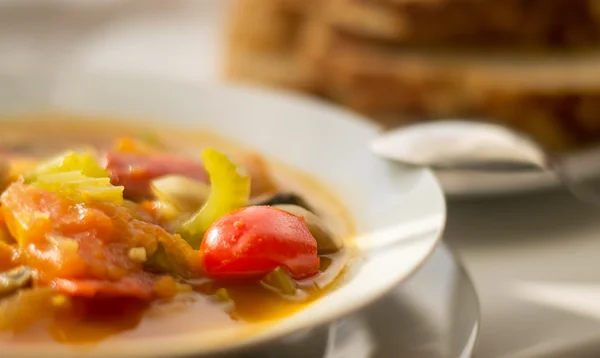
[[110, 230]]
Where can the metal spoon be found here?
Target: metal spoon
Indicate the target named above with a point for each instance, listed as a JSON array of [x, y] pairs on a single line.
[[477, 146]]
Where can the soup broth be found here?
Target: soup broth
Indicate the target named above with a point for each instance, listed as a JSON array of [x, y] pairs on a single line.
[[203, 298]]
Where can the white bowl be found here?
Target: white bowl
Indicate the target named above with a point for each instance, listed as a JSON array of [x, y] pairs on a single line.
[[399, 212]]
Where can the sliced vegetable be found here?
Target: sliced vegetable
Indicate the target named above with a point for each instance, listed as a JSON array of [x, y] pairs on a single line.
[[84, 163], [222, 295], [80, 188], [325, 263], [327, 242], [255, 240], [229, 190], [184, 193], [160, 261], [135, 171], [107, 193], [280, 281], [173, 259], [258, 169], [77, 176], [12, 280]]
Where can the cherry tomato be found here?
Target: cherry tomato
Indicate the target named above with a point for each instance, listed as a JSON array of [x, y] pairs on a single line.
[[253, 241]]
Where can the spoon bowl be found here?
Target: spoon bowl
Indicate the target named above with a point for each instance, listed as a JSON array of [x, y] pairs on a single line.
[[475, 146], [462, 145]]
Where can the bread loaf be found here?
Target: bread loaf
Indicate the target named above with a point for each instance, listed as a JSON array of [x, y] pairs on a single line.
[[384, 60]]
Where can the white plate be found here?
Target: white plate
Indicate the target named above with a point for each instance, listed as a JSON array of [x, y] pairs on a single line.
[[399, 213], [437, 309], [434, 314]]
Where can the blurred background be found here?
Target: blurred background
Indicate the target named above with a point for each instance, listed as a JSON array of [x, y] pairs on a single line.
[[529, 64], [532, 65]]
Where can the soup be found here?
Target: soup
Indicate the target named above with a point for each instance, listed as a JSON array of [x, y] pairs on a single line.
[[141, 231]]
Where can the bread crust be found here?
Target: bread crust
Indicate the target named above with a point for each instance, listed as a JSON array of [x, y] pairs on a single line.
[[556, 97], [522, 24], [260, 44]]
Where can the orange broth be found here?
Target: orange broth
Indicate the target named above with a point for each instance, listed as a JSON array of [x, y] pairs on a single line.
[[194, 311]]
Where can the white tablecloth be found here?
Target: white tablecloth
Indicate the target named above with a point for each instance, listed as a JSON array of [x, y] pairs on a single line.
[[535, 260]]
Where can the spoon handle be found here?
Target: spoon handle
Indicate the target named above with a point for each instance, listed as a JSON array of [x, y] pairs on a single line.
[[585, 189], [502, 166]]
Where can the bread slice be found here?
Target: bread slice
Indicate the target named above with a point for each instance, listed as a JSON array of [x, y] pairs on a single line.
[[260, 44], [523, 24], [555, 96]]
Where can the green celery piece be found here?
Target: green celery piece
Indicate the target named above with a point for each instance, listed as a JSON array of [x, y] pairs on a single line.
[[72, 180], [68, 162], [222, 295], [170, 261], [78, 176], [229, 190], [109, 193], [280, 280], [60, 177]]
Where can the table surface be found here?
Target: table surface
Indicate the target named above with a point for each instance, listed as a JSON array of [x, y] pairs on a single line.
[[534, 262], [533, 259]]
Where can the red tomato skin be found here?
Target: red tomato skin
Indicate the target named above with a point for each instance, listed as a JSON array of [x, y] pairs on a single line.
[[255, 240]]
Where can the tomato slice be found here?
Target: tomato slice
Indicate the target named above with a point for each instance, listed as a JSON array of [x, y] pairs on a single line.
[[253, 241]]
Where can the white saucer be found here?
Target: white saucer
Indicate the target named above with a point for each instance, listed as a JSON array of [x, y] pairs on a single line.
[[435, 314], [437, 309]]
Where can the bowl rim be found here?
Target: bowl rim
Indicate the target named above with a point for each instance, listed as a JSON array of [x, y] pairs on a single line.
[[175, 348]]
